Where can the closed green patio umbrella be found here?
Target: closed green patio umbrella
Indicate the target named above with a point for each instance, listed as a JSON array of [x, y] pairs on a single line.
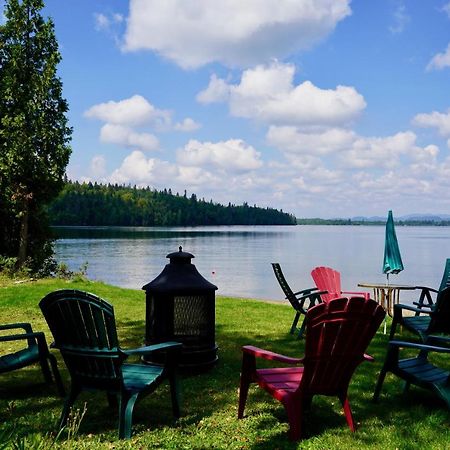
[[392, 262]]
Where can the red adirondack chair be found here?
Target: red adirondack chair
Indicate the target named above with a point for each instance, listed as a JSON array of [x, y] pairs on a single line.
[[337, 335], [328, 279]]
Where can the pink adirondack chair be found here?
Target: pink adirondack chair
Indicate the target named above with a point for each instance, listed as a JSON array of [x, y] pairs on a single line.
[[337, 335], [328, 279]]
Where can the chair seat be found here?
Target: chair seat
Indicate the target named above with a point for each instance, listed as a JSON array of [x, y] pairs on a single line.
[[137, 377], [19, 359], [423, 372], [419, 323], [280, 381]]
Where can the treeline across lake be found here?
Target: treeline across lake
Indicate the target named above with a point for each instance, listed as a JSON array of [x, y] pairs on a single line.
[[415, 222], [95, 204]]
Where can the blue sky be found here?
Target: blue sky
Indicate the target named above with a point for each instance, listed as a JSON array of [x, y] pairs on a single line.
[[324, 108]]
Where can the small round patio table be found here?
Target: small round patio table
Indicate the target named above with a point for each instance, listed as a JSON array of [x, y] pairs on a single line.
[[387, 295]]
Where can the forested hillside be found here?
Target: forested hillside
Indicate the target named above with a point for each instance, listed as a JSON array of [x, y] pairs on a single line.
[[100, 204]]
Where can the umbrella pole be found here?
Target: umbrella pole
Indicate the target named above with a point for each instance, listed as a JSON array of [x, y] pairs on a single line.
[[387, 303]]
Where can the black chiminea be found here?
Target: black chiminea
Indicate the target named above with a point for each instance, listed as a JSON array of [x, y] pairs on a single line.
[[180, 306]]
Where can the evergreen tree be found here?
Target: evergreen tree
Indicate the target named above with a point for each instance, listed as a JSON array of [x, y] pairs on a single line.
[[34, 133]]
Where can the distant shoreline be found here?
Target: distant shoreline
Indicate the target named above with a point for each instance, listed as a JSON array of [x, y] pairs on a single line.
[[408, 223]]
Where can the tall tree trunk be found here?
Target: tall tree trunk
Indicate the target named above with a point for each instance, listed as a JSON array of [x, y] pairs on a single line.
[[23, 244]]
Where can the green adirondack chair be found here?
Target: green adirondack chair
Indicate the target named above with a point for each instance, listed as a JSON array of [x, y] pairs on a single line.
[[84, 330], [417, 370], [426, 299], [434, 320], [36, 351]]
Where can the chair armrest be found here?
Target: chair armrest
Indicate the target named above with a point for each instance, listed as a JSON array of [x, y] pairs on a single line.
[[18, 337], [430, 348], [366, 295], [433, 337], [23, 325], [427, 289], [306, 291], [266, 354], [400, 307], [36, 338], [153, 348], [312, 294], [421, 305]]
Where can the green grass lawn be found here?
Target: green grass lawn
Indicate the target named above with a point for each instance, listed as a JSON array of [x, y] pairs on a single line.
[[30, 409]]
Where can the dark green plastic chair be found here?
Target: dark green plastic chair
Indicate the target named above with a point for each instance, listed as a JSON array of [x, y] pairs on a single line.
[[434, 320], [301, 301], [426, 299], [417, 370], [84, 330], [36, 351]]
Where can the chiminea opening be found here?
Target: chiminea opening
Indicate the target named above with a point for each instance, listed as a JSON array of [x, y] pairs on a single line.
[[180, 306]]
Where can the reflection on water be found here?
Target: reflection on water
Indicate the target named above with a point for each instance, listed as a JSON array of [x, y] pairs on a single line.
[[155, 233], [237, 259]]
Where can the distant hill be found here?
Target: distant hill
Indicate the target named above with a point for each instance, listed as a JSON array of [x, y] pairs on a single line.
[[427, 217], [410, 219], [407, 218]]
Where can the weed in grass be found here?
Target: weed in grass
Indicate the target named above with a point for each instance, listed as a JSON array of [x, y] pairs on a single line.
[[73, 423]]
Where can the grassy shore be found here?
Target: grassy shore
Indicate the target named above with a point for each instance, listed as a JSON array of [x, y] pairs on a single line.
[[29, 409]]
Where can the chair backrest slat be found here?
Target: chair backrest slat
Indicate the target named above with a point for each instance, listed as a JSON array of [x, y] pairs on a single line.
[[327, 279], [440, 316], [445, 282], [284, 284], [337, 335], [84, 330]]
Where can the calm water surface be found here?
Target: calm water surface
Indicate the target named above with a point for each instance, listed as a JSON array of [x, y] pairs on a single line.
[[237, 259]]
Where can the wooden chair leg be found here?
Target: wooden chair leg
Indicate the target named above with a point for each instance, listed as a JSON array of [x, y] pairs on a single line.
[[248, 368], [379, 384], [393, 327], [294, 411], [112, 400], [126, 415], [56, 375], [302, 329], [45, 369], [68, 403], [175, 394], [294, 323], [347, 411], [406, 387]]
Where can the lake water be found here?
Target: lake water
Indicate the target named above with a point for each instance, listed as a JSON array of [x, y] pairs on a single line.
[[237, 259]]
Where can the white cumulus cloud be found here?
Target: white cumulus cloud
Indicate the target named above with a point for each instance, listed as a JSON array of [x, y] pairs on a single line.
[[187, 125], [291, 139], [268, 94], [384, 152], [440, 121], [125, 136], [217, 91], [233, 32], [232, 155], [137, 169], [440, 60], [133, 111], [98, 166]]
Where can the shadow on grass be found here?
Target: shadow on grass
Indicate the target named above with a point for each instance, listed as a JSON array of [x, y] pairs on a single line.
[[212, 396]]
